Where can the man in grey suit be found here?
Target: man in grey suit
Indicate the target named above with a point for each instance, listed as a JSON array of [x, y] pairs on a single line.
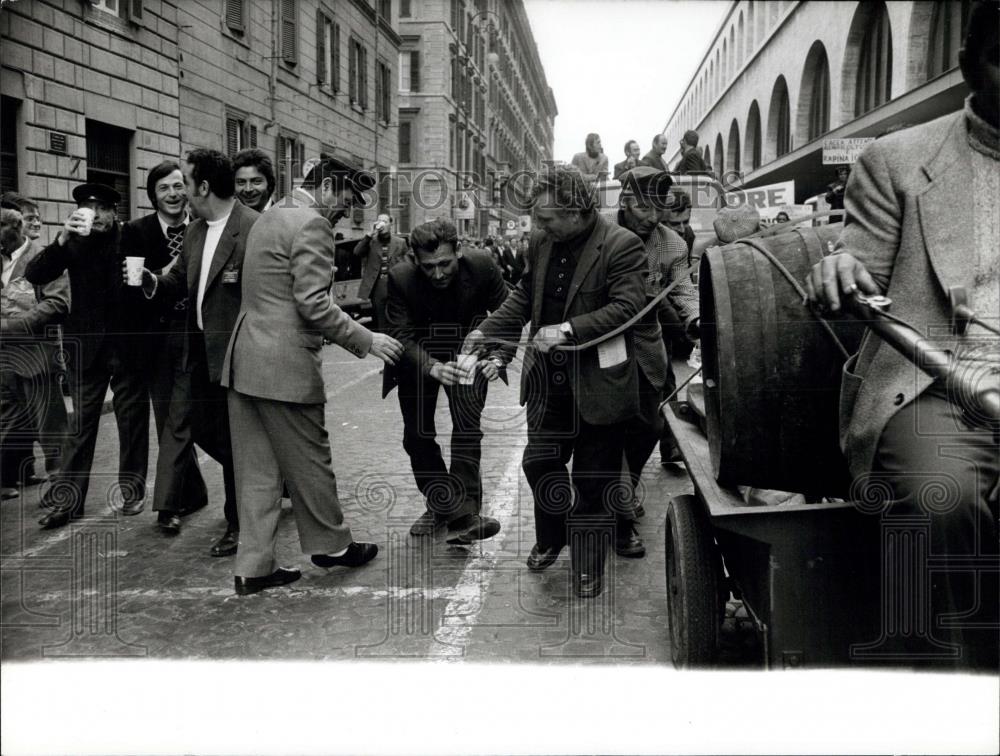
[[209, 270], [922, 218], [286, 314], [379, 250]]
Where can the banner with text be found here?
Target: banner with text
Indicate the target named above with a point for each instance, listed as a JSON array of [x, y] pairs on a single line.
[[844, 151]]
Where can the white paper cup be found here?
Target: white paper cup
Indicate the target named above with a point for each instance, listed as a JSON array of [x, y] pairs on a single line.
[[134, 266], [467, 364], [86, 214]]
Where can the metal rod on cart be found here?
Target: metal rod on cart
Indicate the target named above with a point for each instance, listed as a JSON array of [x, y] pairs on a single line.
[[935, 362]]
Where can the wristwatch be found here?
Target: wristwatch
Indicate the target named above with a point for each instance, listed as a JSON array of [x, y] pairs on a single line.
[[566, 330], [498, 362]]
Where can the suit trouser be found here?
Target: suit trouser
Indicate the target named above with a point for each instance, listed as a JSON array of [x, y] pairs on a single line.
[[283, 440], [458, 492], [556, 433], [30, 407], [179, 483], [68, 488], [643, 431], [943, 473], [210, 426], [379, 298]]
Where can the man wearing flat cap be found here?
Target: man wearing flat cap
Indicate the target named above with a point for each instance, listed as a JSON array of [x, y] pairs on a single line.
[[645, 199], [273, 371], [100, 352]]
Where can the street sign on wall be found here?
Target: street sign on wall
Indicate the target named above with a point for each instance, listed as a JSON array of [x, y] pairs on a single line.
[[844, 151]]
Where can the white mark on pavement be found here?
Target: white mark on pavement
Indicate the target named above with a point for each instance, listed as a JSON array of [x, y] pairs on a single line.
[[296, 591], [461, 614]]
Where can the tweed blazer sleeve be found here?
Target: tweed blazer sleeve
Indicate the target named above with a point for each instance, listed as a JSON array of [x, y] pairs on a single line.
[[311, 268], [51, 308], [873, 224]]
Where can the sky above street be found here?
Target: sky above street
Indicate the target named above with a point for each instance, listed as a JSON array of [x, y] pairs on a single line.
[[618, 67]]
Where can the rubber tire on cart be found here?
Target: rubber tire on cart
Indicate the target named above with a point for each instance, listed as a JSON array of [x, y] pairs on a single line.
[[694, 577]]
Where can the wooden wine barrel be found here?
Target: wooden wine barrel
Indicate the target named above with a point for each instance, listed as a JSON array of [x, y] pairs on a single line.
[[771, 372]]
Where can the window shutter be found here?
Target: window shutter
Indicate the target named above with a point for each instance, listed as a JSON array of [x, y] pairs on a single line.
[[415, 71], [404, 8], [253, 136], [352, 70], [282, 168], [289, 53], [404, 142], [234, 16], [378, 92], [364, 79], [320, 47], [302, 158], [335, 59], [232, 136], [134, 11]]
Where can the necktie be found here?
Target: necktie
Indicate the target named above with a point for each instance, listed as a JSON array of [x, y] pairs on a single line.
[[175, 239]]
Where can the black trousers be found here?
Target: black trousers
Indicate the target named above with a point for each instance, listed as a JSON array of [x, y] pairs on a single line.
[[210, 424], [379, 298], [179, 483], [643, 431], [458, 491], [669, 326], [68, 488], [943, 474], [578, 509]]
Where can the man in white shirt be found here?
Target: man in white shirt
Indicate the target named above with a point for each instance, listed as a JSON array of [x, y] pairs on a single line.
[[210, 270]]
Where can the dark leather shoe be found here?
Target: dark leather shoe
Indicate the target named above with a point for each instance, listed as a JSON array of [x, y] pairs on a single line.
[[588, 584], [542, 557], [631, 546], [426, 524], [467, 530], [357, 555], [280, 577], [169, 523], [9, 492], [226, 546], [56, 518], [130, 508]]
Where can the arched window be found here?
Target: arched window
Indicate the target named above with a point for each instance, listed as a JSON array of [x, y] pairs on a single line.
[[813, 119], [740, 42], [724, 77], [718, 75], [772, 14], [873, 85], [751, 28], [732, 53], [708, 156], [948, 20], [751, 147], [733, 148], [720, 157], [779, 136]]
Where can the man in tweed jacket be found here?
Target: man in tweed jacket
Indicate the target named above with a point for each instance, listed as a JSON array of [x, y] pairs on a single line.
[[913, 231]]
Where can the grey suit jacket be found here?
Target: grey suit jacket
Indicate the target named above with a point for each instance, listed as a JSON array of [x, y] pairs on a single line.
[[287, 310], [606, 291], [30, 339], [909, 221], [221, 302]]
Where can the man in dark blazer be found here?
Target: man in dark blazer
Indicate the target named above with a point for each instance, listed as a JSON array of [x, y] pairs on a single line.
[[102, 348], [380, 250], [654, 158], [209, 270], [159, 238], [29, 388], [921, 220], [584, 280], [278, 414], [434, 301], [632, 151]]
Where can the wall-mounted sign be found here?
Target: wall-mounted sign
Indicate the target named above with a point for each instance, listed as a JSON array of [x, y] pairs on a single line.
[[844, 151]]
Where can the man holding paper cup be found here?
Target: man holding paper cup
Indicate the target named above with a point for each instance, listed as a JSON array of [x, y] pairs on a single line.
[[583, 283], [433, 302], [102, 350]]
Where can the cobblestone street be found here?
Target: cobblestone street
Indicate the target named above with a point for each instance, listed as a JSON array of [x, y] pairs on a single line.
[[114, 586]]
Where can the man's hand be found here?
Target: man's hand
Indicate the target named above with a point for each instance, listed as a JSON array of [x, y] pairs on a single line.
[[446, 373], [490, 368], [837, 276], [148, 279], [74, 224], [475, 342], [549, 337], [386, 348]]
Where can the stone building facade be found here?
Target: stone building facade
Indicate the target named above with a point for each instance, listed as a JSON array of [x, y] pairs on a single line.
[[105, 89], [779, 77], [474, 109]]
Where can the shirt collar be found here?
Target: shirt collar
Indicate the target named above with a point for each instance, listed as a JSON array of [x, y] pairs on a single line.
[[164, 225], [20, 250]]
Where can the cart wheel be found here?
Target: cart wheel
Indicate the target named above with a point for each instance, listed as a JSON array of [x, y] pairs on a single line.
[[694, 575]]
